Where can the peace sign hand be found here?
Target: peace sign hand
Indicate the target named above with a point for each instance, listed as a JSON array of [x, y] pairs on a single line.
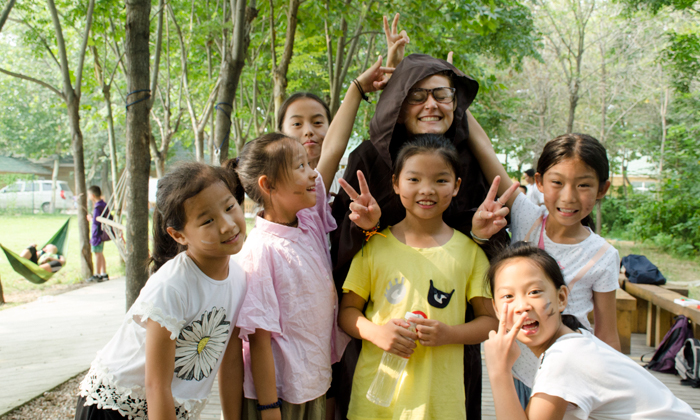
[[396, 42], [500, 349], [365, 210], [490, 217]]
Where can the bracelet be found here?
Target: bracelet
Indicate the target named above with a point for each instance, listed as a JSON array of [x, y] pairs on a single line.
[[476, 238], [269, 406], [362, 92], [372, 232]]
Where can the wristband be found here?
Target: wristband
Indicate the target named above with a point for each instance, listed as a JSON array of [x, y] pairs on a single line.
[[476, 238], [372, 232], [277, 404], [362, 92]]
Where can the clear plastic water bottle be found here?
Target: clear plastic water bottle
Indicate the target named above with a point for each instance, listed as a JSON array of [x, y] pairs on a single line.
[[383, 387]]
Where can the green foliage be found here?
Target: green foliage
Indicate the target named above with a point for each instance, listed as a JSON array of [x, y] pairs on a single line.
[[654, 6], [683, 57]]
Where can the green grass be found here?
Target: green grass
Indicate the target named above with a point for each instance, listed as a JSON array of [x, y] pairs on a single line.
[[19, 230]]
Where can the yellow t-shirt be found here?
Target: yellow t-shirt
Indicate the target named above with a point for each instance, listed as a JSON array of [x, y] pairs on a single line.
[[395, 278]]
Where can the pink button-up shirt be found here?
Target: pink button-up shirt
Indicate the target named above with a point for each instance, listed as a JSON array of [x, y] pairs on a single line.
[[292, 295]]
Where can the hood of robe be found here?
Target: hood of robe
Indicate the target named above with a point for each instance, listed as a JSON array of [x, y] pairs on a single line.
[[386, 135]]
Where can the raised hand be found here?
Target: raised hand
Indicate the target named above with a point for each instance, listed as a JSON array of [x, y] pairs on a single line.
[[396, 42], [396, 338], [490, 217], [500, 349], [449, 57], [373, 78], [364, 208]]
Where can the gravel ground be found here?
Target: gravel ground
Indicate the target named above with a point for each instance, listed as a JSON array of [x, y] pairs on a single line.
[[56, 404]]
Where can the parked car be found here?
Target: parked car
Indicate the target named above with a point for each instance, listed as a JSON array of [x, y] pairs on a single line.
[[36, 195]]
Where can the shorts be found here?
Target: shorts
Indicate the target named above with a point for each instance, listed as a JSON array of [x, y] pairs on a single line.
[[97, 249], [91, 412], [55, 265], [34, 255], [310, 410]]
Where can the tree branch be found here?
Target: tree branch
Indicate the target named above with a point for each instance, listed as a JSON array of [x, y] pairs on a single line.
[[83, 47], [31, 79], [6, 13]]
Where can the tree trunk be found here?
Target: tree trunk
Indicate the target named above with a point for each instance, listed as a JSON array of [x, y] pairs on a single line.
[[2, 296], [279, 72], [73, 105], [231, 69], [54, 175], [138, 135], [112, 142]]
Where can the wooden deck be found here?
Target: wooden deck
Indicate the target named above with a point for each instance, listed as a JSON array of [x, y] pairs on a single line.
[[639, 347]]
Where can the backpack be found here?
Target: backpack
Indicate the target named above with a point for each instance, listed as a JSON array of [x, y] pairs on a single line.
[[688, 363], [639, 269], [664, 359]]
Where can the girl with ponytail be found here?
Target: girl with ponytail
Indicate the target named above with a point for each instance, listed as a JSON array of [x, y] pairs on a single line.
[[579, 376], [162, 361]]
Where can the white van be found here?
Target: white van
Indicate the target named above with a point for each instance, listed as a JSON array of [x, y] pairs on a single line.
[[36, 195]]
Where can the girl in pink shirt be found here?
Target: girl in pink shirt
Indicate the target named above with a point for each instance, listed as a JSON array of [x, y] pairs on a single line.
[[288, 319]]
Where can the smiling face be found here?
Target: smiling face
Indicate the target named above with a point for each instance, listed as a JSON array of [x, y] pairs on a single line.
[[523, 286], [426, 185], [215, 225], [295, 191], [306, 120], [431, 116], [570, 190]]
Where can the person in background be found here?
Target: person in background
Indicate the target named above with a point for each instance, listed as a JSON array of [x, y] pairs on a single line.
[[96, 242], [532, 192], [47, 258]]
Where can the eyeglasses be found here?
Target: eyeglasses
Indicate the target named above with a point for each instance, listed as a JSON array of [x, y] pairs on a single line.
[[444, 95]]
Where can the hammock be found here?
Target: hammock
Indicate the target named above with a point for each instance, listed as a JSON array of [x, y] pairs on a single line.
[[28, 269]]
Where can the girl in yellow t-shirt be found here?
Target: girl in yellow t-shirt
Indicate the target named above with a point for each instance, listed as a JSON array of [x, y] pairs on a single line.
[[419, 264]]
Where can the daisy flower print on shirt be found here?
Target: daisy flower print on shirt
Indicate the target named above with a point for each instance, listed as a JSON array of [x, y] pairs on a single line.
[[200, 345]]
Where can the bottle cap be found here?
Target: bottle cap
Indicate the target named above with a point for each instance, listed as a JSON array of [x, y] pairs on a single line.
[[415, 314]]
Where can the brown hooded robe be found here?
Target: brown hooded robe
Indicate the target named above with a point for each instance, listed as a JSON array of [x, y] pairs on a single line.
[[375, 159]]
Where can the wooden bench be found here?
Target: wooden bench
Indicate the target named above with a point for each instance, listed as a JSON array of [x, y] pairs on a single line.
[[626, 305], [655, 311]]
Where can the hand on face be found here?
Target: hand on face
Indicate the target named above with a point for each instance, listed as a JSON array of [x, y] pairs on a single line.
[[364, 208], [500, 349], [490, 217]]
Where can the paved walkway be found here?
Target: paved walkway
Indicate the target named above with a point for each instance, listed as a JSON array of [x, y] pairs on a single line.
[[46, 342]]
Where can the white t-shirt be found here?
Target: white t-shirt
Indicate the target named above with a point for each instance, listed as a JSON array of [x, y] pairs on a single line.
[[200, 314], [534, 194], [600, 383], [602, 277]]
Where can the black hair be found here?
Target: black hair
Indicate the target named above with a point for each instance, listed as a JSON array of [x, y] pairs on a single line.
[[270, 155], [95, 190], [581, 146], [294, 98], [184, 181], [530, 172], [541, 259], [428, 143]]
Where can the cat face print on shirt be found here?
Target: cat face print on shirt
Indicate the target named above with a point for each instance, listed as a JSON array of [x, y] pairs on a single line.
[[437, 297]]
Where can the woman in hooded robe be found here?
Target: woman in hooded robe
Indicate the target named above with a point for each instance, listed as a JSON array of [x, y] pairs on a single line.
[[397, 118]]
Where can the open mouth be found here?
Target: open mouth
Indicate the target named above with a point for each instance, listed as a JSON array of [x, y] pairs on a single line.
[[311, 189], [429, 119], [567, 212], [530, 327], [426, 203], [232, 239]]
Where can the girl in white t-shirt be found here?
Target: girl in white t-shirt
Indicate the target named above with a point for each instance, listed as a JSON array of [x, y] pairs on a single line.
[[572, 173], [579, 377], [162, 361]]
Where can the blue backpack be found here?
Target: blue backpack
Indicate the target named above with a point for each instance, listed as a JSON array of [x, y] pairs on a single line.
[[639, 269], [664, 359]]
